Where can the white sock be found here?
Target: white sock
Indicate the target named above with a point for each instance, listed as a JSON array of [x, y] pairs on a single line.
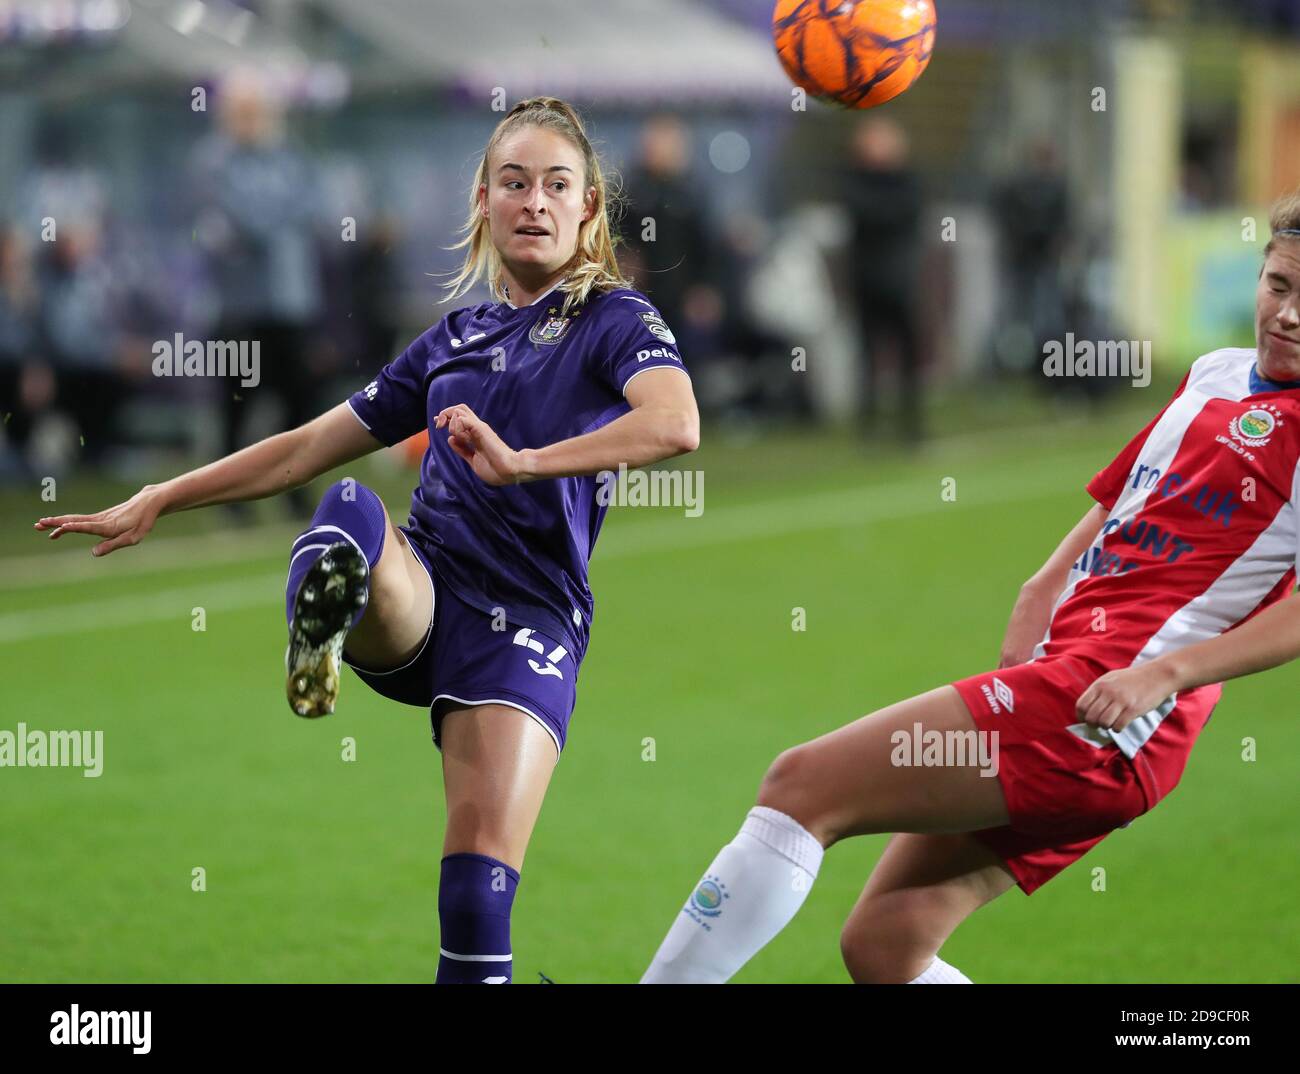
[[939, 972], [754, 887]]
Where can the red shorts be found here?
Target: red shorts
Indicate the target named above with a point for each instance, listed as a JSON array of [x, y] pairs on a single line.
[[1064, 792]]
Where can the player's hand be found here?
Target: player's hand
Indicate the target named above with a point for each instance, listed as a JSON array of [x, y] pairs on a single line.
[[470, 437], [125, 524], [1119, 697]]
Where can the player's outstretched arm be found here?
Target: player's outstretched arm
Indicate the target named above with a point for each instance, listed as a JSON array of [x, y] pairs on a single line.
[[1033, 610], [273, 465], [664, 421]]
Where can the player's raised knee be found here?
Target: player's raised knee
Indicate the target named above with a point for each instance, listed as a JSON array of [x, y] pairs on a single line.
[[348, 490], [884, 948], [790, 784], [784, 780], [866, 963], [855, 950]]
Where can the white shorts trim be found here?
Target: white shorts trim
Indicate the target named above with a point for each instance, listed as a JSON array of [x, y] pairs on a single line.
[[1096, 737], [509, 704]]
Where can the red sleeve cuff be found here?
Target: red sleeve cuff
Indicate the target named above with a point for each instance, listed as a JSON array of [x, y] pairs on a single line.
[[1098, 491]]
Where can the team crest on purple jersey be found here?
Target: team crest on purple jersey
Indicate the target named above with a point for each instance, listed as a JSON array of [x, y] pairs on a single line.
[[521, 548], [549, 329]]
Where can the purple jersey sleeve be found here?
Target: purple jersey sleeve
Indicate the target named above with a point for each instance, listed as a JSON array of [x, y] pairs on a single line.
[[393, 405], [635, 339]]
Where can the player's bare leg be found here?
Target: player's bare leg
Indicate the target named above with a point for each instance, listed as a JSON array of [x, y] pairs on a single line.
[[400, 610], [497, 763], [844, 783], [839, 785], [354, 580], [921, 889]]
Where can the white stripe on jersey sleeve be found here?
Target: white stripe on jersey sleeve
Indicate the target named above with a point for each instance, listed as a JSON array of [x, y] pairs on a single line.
[[1248, 580], [1224, 373], [1233, 594], [1230, 597], [356, 415], [637, 298]]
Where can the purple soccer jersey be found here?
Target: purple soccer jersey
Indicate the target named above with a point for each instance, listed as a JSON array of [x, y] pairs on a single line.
[[536, 377]]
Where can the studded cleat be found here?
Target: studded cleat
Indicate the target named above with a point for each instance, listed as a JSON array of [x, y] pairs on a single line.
[[331, 595]]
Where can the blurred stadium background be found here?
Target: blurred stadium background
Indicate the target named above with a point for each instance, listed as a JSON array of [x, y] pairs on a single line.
[[918, 257]]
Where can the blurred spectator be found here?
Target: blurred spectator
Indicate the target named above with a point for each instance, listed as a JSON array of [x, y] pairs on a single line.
[[882, 195], [1275, 14], [360, 325], [674, 263], [791, 296], [374, 285], [1207, 179], [256, 214], [744, 337], [26, 383], [1033, 216], [83, 331], [77, 310]]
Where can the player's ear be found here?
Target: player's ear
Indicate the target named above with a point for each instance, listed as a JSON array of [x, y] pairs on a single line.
[[589, 203], [482, 200]]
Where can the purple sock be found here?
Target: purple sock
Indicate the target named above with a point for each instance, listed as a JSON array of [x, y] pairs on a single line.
[[474, 900], [348, 510]]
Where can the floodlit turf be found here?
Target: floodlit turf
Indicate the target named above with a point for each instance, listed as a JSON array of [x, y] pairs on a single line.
[[321, 869]]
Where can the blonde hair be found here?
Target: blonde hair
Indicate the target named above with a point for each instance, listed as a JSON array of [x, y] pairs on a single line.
[[594, 266], [1284, 216]]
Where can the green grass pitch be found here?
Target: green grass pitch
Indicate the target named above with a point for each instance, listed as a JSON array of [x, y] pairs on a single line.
[[320, 869]]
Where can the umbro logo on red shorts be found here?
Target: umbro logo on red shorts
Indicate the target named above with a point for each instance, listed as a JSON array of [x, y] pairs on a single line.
[[1000, 697]]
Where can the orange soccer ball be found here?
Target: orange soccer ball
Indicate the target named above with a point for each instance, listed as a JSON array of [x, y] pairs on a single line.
[[857, 53]]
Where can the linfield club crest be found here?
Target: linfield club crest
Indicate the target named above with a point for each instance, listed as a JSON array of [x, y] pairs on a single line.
[[708, 897], [1254, 427], [550, 328]]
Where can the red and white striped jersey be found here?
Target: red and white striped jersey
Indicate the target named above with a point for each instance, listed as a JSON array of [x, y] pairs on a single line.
[[1202, 527]]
